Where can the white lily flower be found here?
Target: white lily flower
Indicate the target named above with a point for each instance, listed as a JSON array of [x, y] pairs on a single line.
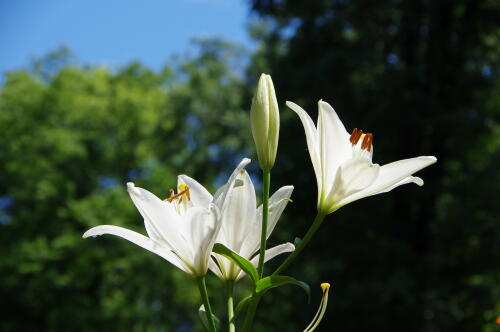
[[343, 162], [242, 220], [179, 229]]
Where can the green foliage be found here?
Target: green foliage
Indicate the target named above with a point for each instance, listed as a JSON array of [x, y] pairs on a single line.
[[242, 263], [71, 138], [265, 284], [203, 318]]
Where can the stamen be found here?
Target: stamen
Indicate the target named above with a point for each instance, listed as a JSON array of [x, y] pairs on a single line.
[[355, 136], [367, 142], [370, 144], [179, 194]]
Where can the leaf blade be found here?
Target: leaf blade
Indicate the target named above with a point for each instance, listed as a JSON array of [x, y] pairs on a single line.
[[274, 281], [242, 263]]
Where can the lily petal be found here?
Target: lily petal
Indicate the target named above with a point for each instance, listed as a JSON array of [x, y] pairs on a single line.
[[212, 265], [198, 194], [269, 254], [334, 143], [162, 219], [312, 138], [140, 240], [220, 195], [411, 179], [353, 176], [277, 203], [204, 224], [239, 211], [392, 175], [273, 252]]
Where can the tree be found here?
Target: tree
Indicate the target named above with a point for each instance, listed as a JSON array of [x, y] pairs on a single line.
[[423, 77], [71, 138]]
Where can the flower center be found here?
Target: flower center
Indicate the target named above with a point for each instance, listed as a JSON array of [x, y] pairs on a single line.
[[366, 143], [182, 200], [182, 194]]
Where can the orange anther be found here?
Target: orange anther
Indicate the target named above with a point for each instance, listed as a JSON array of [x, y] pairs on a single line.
[[179, 194], [371, 143], [367, 142], [355, 136]]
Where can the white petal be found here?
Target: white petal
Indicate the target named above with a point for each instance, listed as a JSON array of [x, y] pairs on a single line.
[[198, 194], [312, 141], [238, 212], [220, 195], [334, 144], [204, 224], [215, 269], [411, 179], [140, 240], [163, 220], [393, 175], [270, 254], [353, 176], [152, 233], [277, 203]]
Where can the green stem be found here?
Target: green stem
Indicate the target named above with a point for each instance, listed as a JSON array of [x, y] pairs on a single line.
[[247, 327], [265, 213], [310, 233], [254, 303], [204, 296], [230, 306]]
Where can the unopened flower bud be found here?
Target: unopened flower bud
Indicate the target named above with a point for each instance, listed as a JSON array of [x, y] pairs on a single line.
[[265, 120]]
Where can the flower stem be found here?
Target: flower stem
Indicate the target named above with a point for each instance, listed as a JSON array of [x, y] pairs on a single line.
[[204, 296], [265, 213], [230, 306], [252, 308], [310, 233]]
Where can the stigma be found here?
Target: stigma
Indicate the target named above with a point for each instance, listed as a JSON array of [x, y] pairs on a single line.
[[366, 143]]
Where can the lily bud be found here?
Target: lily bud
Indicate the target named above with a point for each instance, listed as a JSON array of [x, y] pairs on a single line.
[[265, 121]]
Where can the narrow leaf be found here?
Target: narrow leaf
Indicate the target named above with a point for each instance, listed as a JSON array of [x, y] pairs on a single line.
[[203, 317], [243, 263], [241, 306], [267, 283]]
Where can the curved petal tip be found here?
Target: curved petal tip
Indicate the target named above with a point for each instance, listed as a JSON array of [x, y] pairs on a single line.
[[91, 233], [418, 181], [244, 162]]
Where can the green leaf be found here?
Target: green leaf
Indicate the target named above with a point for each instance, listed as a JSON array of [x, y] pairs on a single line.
[[203, 317], [267, 283], [241, 305], [243, 263]]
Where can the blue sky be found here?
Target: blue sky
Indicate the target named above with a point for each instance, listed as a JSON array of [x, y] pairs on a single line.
[[114, 32]]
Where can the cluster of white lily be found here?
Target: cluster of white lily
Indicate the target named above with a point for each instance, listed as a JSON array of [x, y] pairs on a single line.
[[184, 228]]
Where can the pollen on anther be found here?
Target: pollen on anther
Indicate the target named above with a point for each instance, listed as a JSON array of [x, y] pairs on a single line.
[[355, 136], [367, 142]]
